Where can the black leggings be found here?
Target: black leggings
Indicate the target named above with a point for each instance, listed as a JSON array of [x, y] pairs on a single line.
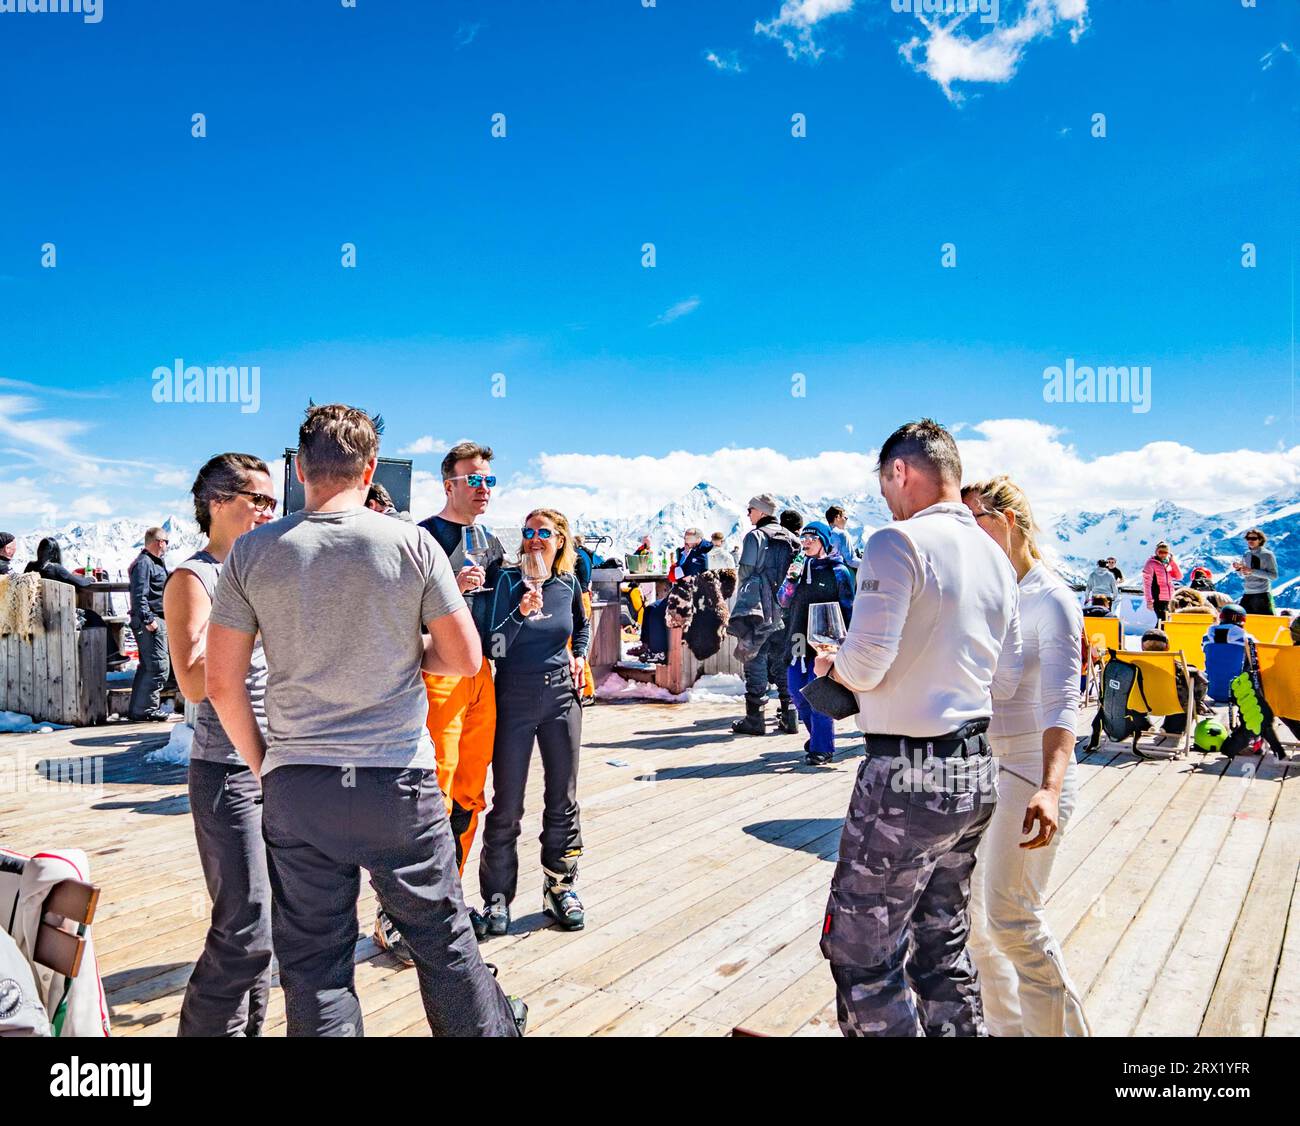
[[530, 711]]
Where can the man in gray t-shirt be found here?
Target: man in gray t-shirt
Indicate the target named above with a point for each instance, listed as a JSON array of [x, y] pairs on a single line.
[[339, 598], [339, 594]]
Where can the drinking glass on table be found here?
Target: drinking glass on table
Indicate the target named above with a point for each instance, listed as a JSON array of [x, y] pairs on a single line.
[[535, 571], [474, 542], [825, 628]]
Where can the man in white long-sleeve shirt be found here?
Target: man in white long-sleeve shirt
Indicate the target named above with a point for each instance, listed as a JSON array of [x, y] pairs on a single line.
[[935, 638]]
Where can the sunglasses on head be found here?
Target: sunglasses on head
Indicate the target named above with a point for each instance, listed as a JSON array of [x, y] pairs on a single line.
[[260, 501], [477, 480], [539, 533]]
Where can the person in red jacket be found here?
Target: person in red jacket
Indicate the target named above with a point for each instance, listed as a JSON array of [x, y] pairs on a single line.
[[1158, 578]]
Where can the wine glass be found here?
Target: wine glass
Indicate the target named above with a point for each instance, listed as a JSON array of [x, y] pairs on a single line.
[[825, 628], [536, 571], [474, 542]]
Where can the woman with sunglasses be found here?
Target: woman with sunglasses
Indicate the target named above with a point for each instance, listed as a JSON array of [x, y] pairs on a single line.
[[537, 634], [1023, 982], [228, 990], [1258, 570]]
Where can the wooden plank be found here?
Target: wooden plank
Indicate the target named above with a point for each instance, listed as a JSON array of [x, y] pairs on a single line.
[[1284, 1006], [39, 699], [1177, 1000], [1134, 965], [56, 623], [1241, 997], [92, 675]]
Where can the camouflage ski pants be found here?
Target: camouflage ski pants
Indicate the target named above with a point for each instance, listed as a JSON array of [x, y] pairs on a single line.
[[899, 912]]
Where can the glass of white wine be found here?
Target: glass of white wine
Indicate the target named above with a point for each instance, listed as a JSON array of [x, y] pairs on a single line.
[[533, 566], [825, 628], [474, 543]]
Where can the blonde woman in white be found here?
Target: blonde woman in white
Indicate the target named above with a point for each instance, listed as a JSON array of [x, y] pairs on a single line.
[[1024, 984]]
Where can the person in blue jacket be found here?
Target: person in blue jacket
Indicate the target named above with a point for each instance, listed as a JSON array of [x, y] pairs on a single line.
[[538, 639], [823, 576]]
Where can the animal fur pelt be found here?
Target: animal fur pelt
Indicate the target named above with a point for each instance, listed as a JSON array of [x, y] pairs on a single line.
[[698, 606], [20, 606]]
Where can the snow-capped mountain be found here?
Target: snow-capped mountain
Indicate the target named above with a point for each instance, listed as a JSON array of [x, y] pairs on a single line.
[[112, 544], [1073, 542]]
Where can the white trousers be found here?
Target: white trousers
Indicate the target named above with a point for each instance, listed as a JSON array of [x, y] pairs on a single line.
[[1024, 985]]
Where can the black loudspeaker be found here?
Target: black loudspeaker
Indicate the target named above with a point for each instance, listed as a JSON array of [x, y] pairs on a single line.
[[393, 473]]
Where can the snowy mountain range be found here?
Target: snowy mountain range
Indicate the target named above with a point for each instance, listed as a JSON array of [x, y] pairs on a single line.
[[1072, 542]]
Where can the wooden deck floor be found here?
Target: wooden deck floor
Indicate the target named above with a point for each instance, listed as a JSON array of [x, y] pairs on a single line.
[[705, 877]]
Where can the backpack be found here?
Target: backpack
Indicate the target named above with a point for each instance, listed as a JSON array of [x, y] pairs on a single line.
[[1118, 720]]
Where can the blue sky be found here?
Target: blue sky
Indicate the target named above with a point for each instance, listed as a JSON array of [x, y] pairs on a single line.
[[775, 254]]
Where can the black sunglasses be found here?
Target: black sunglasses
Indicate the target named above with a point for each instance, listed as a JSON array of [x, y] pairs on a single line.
[[261, 501]]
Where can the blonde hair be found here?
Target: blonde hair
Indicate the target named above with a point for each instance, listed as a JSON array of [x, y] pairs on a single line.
[[1001, 494], [565, 555]]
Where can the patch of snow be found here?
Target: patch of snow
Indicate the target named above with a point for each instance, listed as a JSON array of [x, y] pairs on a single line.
[[614, 687], [177, 750], [15, 723], [717, 688]]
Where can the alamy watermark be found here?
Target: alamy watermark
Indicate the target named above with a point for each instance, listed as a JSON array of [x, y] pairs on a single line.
[[192, 384], [90, 11], [987, 9], [1129, 383]]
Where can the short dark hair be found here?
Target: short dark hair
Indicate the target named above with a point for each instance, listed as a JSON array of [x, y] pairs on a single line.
[[791, 519], [335, 442], [1156, 636], [220, 479], [923, 445], [463, 451], [1101, 562], [834, 513], [379, 493]]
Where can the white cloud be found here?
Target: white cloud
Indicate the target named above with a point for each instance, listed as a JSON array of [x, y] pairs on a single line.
[[426, 445], [89, 507], [1058, 478], [793, 25], [681, 309], [947, 55], [174, 478], [727, 61]]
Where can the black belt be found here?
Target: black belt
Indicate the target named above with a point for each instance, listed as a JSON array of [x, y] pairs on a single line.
[[965, 741], [548, 679]]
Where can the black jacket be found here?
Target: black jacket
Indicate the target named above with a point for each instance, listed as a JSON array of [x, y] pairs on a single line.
[[148, 576], [59, 573]]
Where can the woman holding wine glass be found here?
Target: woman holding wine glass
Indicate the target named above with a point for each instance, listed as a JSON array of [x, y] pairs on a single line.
[[817, 597], [537, 634]]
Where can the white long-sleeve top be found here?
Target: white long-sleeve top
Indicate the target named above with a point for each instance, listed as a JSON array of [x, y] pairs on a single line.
[[935, 635], [1051, 627]]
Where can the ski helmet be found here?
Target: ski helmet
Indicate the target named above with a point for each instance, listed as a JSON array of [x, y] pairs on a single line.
[[1233, 614], [1210, 735]]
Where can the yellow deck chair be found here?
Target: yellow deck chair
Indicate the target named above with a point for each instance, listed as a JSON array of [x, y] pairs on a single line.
[[1156, 694], [1186, 632], [1271, 629], [1279, 673], [1110, 629]]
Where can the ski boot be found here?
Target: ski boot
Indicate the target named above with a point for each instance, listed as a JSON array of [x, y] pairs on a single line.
[[754, 722]]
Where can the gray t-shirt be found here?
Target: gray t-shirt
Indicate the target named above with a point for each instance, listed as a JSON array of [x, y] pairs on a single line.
[[339, 598], [211, 743], [1262, 570]]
